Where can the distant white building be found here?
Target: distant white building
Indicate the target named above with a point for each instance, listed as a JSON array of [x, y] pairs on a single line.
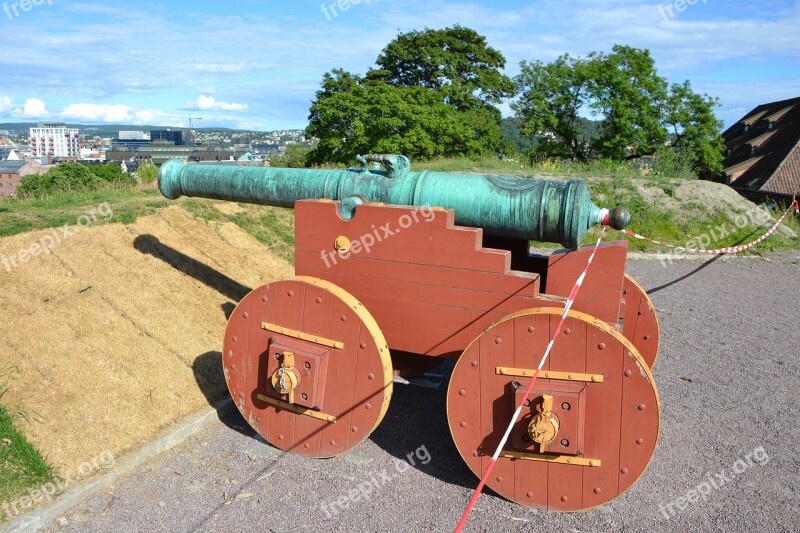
[[91, 154], [54, 139], [134, 136]]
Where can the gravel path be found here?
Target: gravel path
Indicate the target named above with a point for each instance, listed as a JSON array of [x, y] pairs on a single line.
[[727, 375]]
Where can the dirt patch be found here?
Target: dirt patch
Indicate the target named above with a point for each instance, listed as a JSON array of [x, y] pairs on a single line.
[[693, 198], [673, 195], [116, 333], [229, 208]]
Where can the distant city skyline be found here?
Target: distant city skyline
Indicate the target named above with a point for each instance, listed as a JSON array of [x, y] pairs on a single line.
[[257, 65]]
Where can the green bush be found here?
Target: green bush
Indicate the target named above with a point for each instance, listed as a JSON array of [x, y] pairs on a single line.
[[674, 163], [148, 173], [73, 177]]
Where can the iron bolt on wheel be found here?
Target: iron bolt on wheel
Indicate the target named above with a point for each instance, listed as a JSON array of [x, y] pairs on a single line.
[[307, 366], [590, 427]]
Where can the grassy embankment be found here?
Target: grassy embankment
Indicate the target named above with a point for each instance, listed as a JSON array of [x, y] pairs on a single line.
[[22, 467], [271, 226]]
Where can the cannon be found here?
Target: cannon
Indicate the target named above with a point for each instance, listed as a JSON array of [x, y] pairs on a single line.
[[399, 271]]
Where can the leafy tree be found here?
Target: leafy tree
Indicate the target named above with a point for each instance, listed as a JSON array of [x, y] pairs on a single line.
[[552, 97], [636, 108], [455, 61], [672, 162], [511, 128], [372, 116], [431, 96], [695, 129], [626, 90]]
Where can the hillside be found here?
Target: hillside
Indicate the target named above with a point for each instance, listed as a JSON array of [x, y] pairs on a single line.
[[116, 333]]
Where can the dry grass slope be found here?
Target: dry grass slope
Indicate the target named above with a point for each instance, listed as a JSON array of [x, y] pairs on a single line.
[[116, 334]]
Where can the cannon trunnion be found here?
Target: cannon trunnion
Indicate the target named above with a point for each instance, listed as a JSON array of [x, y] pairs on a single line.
[[396, 289]]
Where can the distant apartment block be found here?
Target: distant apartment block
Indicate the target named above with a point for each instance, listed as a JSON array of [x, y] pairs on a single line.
[[54, 139], [175, 136]]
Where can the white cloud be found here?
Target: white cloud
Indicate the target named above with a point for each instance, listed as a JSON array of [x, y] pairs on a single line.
[[32, 108], [145, 116], [101, 112], [5, 104], [219, 68], [210, 103], [153, 116]]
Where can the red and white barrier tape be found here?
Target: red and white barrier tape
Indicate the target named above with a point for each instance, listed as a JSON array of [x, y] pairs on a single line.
[[728, 250], [570, 300]]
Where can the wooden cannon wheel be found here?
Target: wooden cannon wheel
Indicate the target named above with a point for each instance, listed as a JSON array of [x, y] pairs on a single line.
[[641, 320], [592, 424], [307, 366]]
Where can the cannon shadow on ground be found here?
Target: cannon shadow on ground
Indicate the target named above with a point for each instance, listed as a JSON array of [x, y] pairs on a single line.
[[207, 367], [148, 244]]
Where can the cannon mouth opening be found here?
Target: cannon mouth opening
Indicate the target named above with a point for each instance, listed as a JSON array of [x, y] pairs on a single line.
[[169, 179]]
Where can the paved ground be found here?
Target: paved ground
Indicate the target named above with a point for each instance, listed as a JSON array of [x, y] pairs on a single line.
[[727, 375]]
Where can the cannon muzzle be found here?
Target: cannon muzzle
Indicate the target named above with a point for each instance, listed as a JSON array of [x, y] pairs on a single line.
[[534, 209]]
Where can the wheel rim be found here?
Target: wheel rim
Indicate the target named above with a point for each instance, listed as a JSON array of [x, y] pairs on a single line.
[[616, 421], [340, 366]]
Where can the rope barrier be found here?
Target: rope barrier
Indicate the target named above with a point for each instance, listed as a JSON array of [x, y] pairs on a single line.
[[729, 250], [570, 300]]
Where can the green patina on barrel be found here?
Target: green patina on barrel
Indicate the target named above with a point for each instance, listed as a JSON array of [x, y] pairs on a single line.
[[542, 210]]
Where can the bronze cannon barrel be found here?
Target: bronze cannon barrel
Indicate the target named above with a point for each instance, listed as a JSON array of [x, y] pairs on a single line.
[[534, 209]]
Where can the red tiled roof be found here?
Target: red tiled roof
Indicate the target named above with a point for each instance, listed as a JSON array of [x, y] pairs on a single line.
[[787, 178]]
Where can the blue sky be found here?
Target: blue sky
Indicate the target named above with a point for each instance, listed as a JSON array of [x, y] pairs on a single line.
[[257, 64]]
